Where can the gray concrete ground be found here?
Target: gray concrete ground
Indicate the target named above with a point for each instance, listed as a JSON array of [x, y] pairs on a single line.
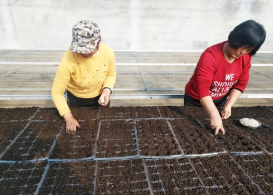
[[31, 73]]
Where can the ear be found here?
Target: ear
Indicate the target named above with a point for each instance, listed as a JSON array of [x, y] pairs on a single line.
[[98, 42]]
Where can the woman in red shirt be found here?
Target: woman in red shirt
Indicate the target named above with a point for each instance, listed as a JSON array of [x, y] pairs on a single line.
[[222, 72]]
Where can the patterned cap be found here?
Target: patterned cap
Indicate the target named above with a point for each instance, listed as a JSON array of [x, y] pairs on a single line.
[[86, 35]]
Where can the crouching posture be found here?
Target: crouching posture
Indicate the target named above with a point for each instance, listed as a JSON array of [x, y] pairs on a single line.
[[222, 72], [87, 71]]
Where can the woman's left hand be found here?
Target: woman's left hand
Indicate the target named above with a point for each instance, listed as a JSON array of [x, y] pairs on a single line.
[[104, 97], [226, 112]]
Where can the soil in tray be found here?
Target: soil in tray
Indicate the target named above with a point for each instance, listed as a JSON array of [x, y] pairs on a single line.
[[80, 145], [183, 112], [8, 131], [221, 174], [8, 114], [172, 176], [49, 114], [256, 112], [116, 139], [234, 140], [129, 112], [121, 177], [35, 142], [193, 138], [260, 170], [85, 113], [20, 178], [155, 138], [262, 135], [69, 178], [173, 112]]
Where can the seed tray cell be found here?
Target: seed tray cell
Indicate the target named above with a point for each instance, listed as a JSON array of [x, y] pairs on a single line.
[[155, 138], [8, 132], [20, 178], [256, 112], [35, 142], [117, 138], [172, 176], [195, 112], [260, 170], [85, 113], [267, 123], [221, 173], [261, 135], [8, 114], [48, 114], [173, 112], [121, 177], [129, 112], [193, 138], [69, 178], [235, 140], [80, 145]]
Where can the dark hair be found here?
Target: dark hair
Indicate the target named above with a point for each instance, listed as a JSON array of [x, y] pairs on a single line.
[[248, 33]]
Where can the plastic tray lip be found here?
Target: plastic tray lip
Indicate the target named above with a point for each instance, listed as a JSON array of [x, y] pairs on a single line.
[[70, 159], [164, 157], [23, 161], [246, 153], [206, 154], [116, 158]]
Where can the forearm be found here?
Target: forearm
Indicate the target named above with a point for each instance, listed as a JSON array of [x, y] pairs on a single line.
[[209, 106], [60, 102], [109, 81], [233, 97], [68, 116], [215, 118]]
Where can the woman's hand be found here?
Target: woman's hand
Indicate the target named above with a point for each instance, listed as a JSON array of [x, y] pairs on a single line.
[[104, 97], [215, 118], [216, 123], [226, 112], [71, 123]]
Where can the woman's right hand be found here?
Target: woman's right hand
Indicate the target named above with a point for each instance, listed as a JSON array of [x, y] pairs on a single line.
[[217, 124], [71, 123]]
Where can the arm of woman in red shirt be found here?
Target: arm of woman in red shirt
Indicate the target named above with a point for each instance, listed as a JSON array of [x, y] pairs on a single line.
[[215, 118]]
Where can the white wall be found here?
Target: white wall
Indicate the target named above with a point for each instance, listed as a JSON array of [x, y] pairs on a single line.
[[184, 25]]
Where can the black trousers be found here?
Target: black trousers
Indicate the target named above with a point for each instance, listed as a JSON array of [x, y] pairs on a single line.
[[74, 102], [188, 101]]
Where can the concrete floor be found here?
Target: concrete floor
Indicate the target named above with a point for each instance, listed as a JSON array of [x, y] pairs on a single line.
[[25, 74]]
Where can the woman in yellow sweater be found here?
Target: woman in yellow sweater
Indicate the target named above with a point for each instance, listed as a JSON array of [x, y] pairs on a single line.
[[87, 71]]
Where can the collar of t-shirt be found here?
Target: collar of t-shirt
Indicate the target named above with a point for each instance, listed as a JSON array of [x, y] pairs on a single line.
[[96, 52]]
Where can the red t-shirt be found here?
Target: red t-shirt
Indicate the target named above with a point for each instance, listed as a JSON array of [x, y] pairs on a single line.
[[214, 76]]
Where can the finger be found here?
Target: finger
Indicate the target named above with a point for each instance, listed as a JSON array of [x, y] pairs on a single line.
[[101, 104], [107, 102], [223, 130], [222, 113], [227, 115], [77, 125], [216, 131]]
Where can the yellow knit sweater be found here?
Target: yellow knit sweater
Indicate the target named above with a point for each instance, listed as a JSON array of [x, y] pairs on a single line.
[[83, 77]]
